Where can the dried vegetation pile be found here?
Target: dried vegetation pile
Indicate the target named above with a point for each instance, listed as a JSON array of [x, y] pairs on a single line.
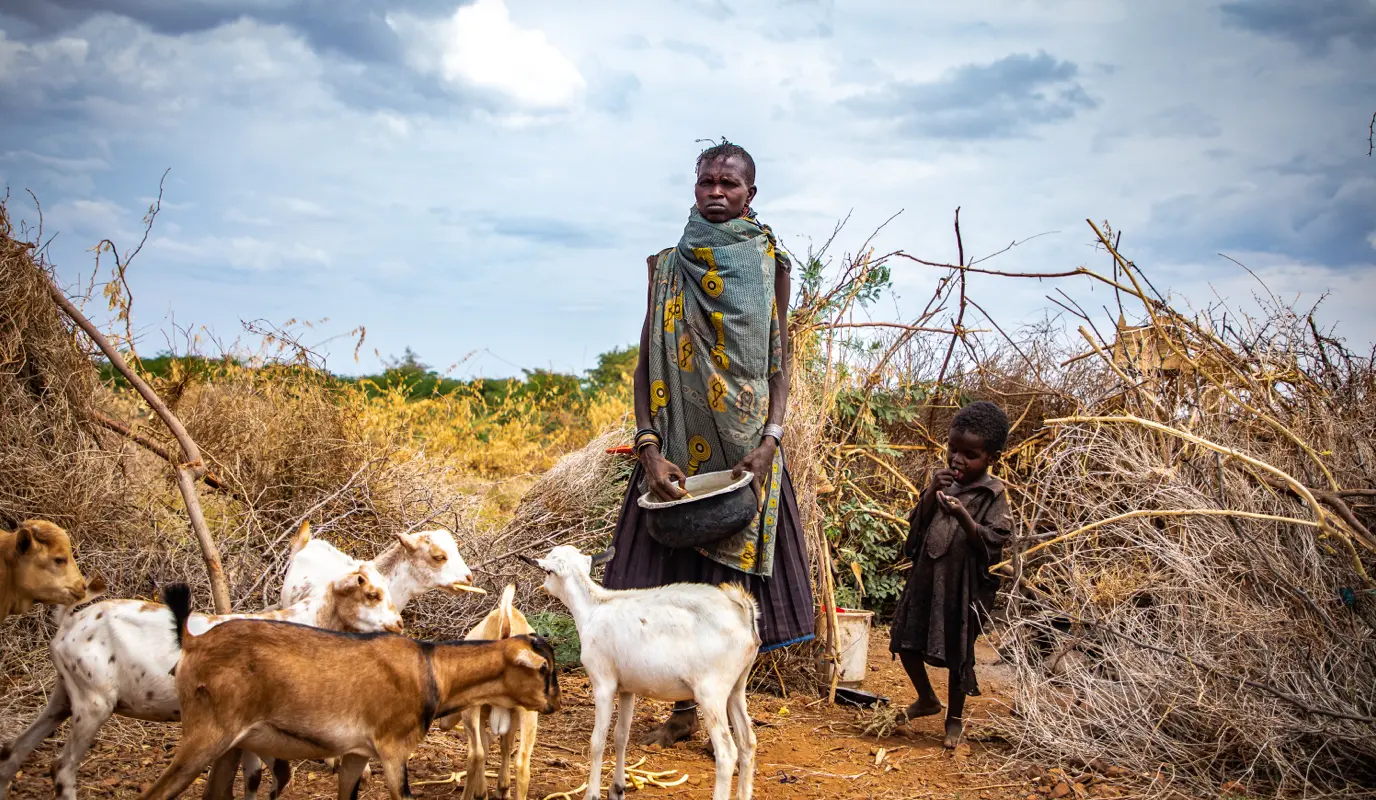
[[1190, 589], [282, 443]]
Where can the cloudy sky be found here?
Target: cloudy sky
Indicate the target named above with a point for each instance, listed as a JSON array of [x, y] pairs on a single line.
[[489, 175]]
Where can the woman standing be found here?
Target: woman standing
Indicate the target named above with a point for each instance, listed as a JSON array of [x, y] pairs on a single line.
[[711, 388]]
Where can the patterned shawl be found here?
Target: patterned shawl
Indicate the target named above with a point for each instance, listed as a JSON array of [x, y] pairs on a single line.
[[713, 349]]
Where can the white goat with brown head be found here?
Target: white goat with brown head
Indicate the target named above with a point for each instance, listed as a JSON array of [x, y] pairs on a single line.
[[414, 564], [684, 641]]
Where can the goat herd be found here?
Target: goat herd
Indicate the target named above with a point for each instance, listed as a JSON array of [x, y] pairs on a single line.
[[328, 674]]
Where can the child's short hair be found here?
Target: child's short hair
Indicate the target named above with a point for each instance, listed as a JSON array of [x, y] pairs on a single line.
[[985, 420]]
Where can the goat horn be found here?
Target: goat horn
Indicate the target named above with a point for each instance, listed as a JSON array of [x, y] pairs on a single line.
[[528, 559], [604, 556]]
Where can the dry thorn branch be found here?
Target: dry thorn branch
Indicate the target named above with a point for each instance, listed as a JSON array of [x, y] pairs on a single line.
[[189, 471]]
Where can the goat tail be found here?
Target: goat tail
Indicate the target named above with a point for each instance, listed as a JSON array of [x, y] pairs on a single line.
[[95, 587], [302, 537], [741, 598], [504, 608], [177, 596]]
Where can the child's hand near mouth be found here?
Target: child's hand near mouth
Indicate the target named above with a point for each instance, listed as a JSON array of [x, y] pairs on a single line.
[[953, 506]]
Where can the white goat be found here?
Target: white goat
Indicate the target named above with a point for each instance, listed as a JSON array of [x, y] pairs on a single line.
[[116, 656], [684, 641], [414, 564]]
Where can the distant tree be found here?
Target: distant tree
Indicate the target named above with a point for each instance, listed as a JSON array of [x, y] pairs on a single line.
[[408, 364], [614, 368], [543, 382]]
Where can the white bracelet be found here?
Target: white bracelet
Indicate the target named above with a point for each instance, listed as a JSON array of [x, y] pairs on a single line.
[[777, 431]]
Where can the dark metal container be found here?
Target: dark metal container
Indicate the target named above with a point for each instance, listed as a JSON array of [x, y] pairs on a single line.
[[718, 506]]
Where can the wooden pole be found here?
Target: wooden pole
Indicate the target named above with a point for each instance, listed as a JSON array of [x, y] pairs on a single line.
[[189, 471]]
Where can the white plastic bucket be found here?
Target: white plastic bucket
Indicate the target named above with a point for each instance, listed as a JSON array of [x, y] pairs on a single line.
[[853, 646]]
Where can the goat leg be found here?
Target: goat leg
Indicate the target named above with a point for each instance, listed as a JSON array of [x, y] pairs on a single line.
[[12, 756], [220, 784], [351, 776], [505, 743], [398, 780], [529, 721], [281, 776], [625, 709], [253, 774], [195, 752], [603, 695], [723, 747], [475, 782], [744, 730], [88, 714]]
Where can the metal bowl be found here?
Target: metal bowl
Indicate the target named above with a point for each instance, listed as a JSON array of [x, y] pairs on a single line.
[[718, 506]]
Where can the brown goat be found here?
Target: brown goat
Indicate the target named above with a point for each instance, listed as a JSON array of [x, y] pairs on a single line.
[[293, 692], [36, 566]]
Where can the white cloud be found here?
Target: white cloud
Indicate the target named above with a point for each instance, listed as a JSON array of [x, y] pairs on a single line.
[[247, 253], [301, 207], [89, 219], [483, 47], [396, 194], [58, 164], [394, 124]]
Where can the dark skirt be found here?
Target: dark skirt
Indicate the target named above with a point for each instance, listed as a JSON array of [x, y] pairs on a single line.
[[940, 615], [785, 598]]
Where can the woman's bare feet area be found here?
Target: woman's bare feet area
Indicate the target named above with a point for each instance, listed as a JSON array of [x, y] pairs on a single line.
[[680, 726]]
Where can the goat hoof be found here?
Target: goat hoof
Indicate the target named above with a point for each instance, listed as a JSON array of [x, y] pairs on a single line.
[[616, 792]]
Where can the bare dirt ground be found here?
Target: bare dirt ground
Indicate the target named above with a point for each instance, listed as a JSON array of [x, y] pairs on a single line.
[[806, 749]]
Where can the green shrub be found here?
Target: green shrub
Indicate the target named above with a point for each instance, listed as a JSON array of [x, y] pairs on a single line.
[[562, 635]]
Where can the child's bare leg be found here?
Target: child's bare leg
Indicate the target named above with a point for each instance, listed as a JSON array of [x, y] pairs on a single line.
[[927, 703], [955, 711]]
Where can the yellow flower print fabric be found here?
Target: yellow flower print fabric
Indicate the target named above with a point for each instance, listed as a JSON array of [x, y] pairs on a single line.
[[714, 347]]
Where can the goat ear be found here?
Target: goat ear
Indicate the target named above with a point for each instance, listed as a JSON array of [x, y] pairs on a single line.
[[23, 543], [411, 541], [349, 583], [604, 556], [530, 658], [302, 538]]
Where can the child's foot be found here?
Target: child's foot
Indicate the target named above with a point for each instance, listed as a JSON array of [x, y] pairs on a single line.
[[954, 727], [923, 708]]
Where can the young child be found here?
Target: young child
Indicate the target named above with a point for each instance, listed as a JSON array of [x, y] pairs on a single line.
[[956, 532]]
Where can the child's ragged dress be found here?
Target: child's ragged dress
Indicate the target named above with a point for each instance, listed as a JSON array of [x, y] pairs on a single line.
[[950, 578]]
